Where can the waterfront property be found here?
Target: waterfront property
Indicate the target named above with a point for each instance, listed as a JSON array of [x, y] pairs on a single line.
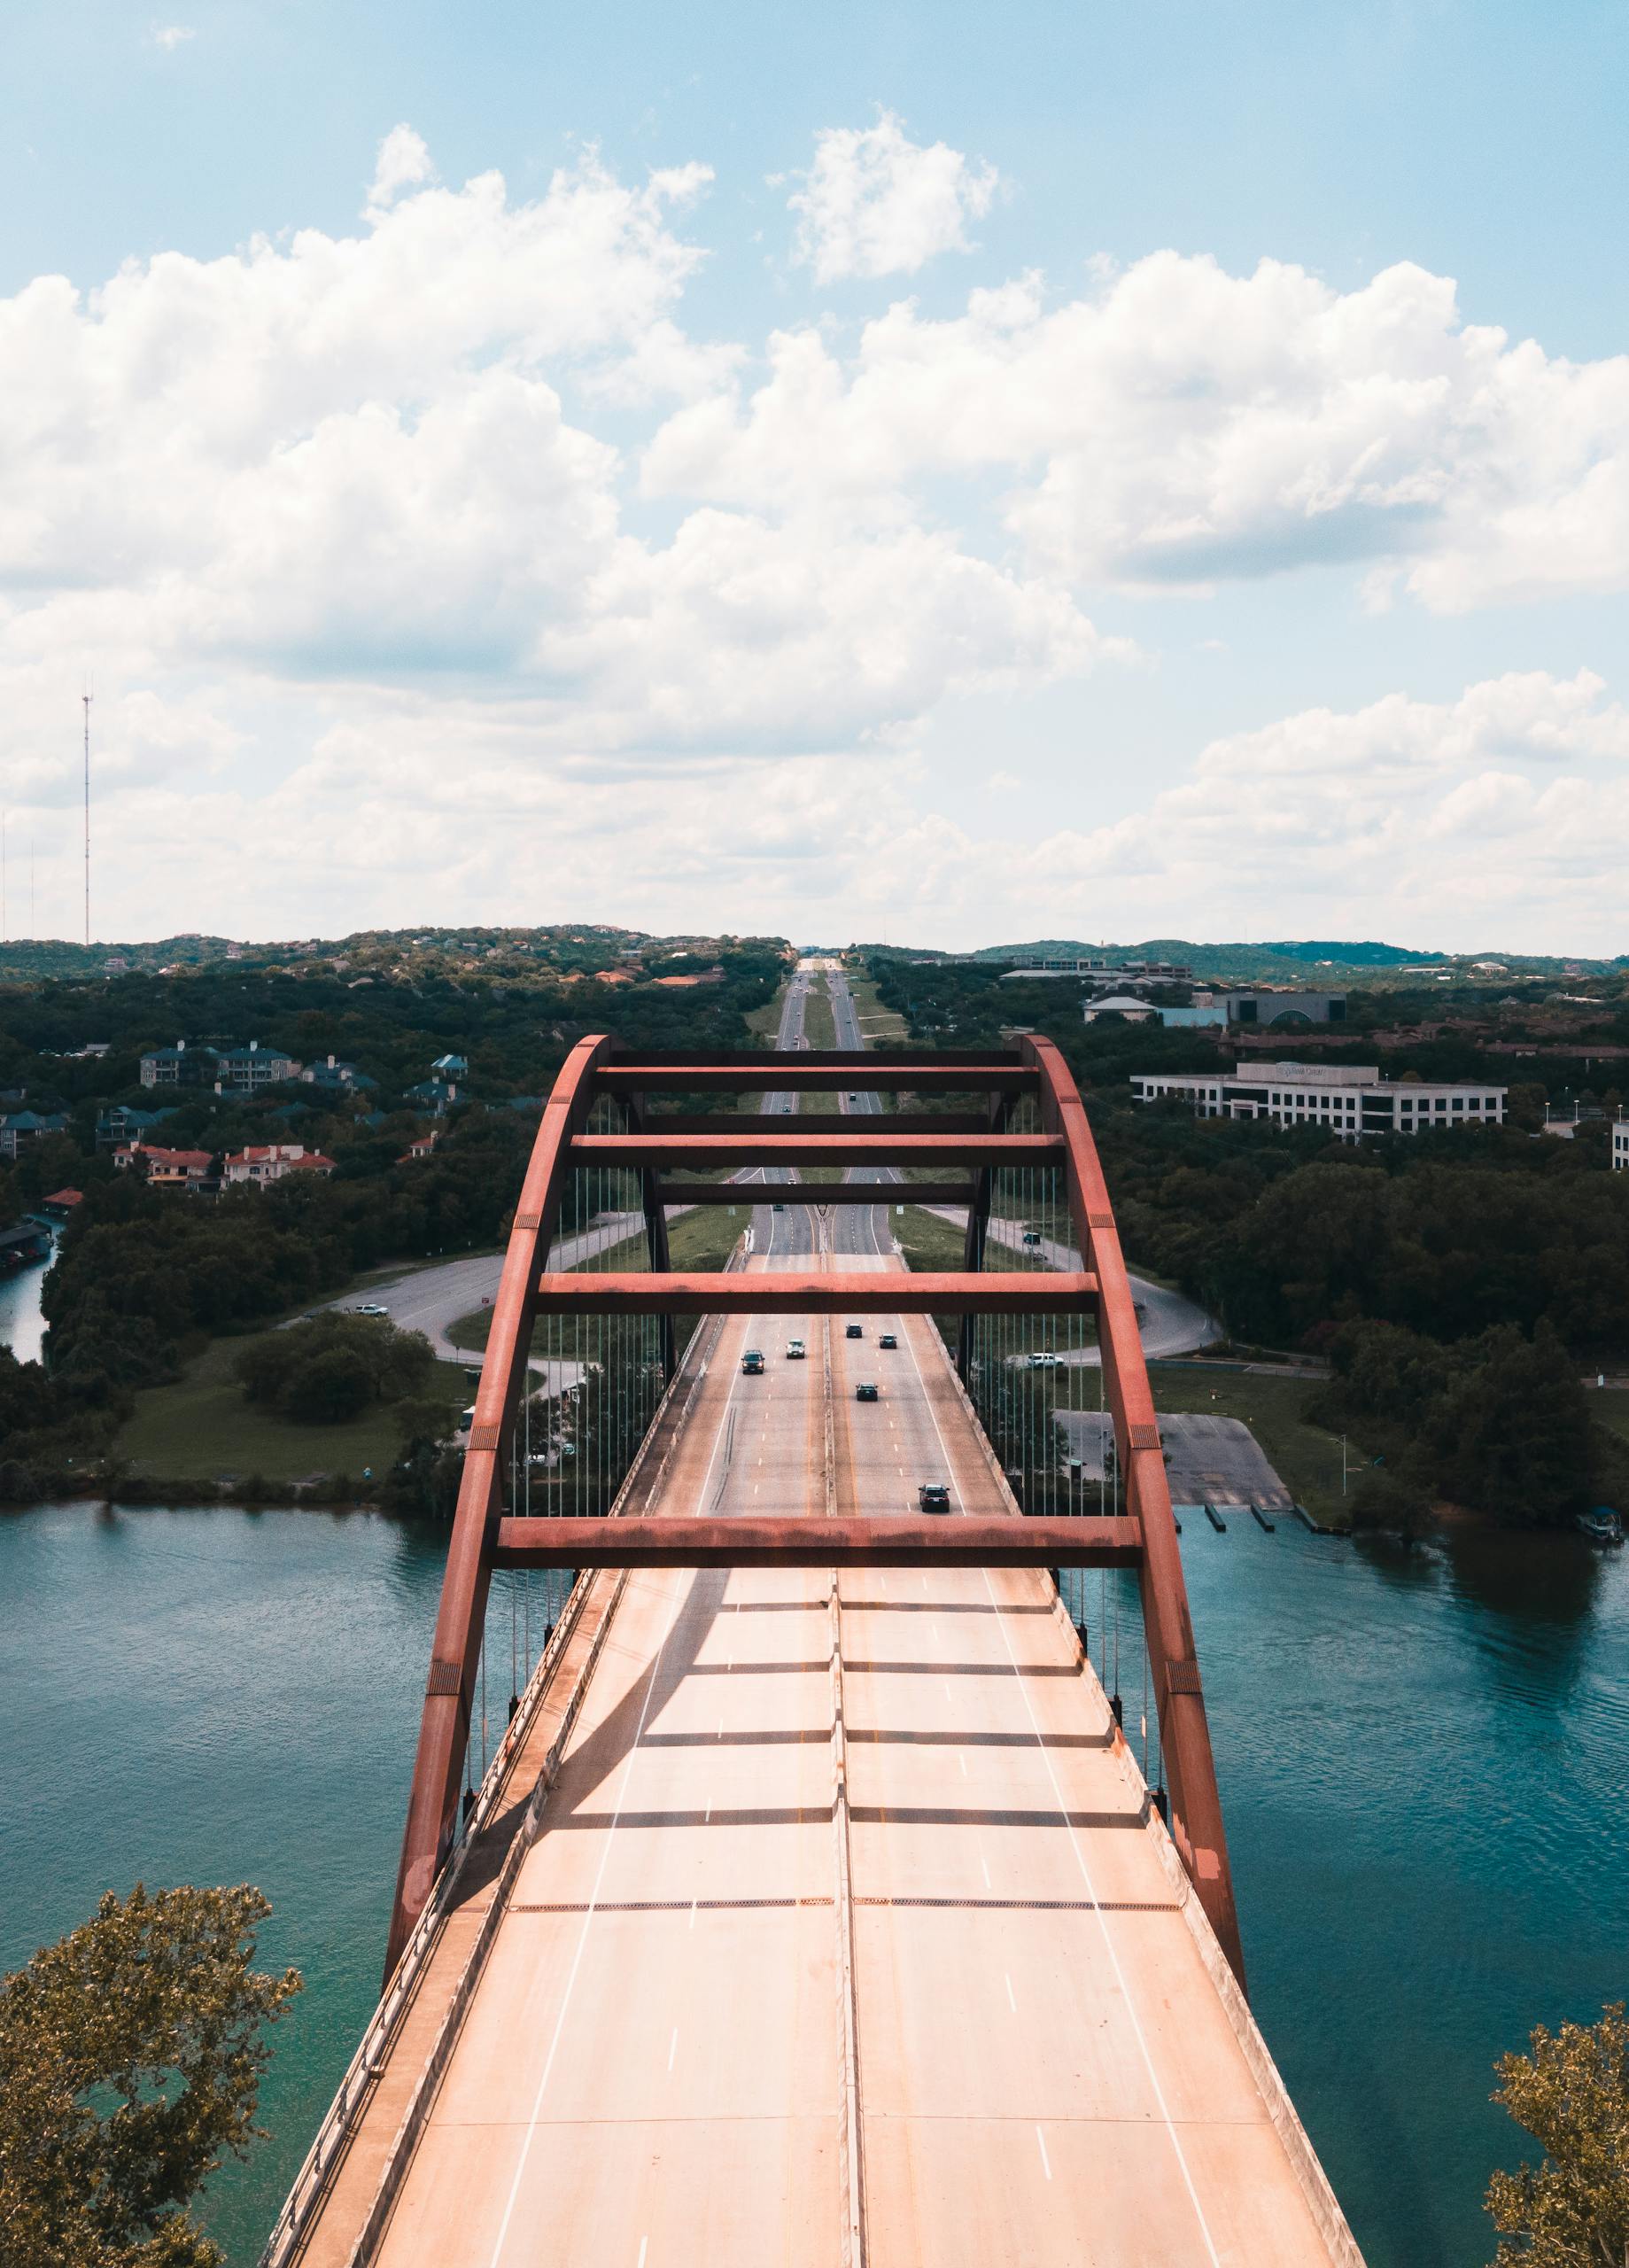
[[1351, 1100], [187, 1170]]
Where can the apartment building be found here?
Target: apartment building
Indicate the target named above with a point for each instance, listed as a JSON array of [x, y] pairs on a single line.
[[1350, 1099]]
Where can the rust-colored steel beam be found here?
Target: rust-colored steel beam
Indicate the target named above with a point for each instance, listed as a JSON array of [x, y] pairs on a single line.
[[893, 1540], [791, 1148], [810, 1122], [674, 1067], [816, 1073], [888, 1291], [817, 1193], [455, 1649], [1190, 1767]]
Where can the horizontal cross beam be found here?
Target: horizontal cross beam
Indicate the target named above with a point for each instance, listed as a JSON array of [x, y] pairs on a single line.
[[893, 1540], [817, 1193], [780, 1292], [824, 1121], [923, 1075], [735, 1150]]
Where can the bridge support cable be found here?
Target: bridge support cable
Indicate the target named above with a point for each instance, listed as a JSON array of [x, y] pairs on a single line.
[[611, 1362]]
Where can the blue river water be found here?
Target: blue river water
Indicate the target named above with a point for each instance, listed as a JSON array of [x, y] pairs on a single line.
[[1421, 1759]]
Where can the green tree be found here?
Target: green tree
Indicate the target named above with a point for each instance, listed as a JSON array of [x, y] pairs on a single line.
[[328, 1387], [1514, 1436], [1571, 2093], [131, 2061]]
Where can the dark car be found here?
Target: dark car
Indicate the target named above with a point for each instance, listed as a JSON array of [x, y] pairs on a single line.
[[853, 1331], [887, 1340], [865, 1393], [752, 1362], [933, 1497]]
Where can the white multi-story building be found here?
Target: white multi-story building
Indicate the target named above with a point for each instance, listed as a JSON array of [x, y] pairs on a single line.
[[1620, 1146], [1350, 1099]]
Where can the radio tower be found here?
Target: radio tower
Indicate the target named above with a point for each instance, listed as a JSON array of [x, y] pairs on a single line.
[[86, 698]]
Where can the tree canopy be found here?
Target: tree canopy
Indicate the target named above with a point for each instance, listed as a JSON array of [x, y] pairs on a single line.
[[131, 2062], [1571, 2093]]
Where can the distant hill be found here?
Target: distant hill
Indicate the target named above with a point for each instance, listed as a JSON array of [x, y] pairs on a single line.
[[1312, 961], [1367, 955]]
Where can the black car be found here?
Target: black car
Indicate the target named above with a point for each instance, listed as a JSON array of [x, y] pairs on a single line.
[[854, 1331], [933, 1497], [887, 1340], [865, 1393]]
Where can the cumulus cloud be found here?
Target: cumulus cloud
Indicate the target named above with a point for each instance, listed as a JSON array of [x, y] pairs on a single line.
[[1177, 426], [875, 203], [445, 555]]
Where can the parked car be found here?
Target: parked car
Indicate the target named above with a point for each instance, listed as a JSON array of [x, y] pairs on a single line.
[[752, 1362], [865, 1391], [853, 1331], [796, 1350], [887, 1340], [933, 1497]]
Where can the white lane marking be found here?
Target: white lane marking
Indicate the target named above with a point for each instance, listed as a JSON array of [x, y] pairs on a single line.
[[984, 1864], [644, 2248], [672, 2047], [1012, 2000], [577, 1958], [962, 1760], [693, 1914], [1046, 2164], [1109, 1946]]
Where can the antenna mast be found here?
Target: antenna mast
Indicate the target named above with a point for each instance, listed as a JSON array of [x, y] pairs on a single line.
[[85, 697]]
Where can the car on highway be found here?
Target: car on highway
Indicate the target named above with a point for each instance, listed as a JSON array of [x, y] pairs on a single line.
[[887, 1340], [1042, 1358], [853, 1331], [853, 1098], [777, 1209], [796, 1351], [933, 1497], [865, 1391], [752, 1362]]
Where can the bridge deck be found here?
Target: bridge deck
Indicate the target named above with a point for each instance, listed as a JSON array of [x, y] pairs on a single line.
[[848, 1937]]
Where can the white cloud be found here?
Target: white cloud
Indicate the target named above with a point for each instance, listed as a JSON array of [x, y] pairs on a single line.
[[403, 162], [1179, 426], [388, 569], [875, 203], [170, 36]]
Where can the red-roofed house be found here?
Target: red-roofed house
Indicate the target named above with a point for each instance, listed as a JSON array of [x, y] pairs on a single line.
[[270, 1163], [420, 1147], [166, 1169]]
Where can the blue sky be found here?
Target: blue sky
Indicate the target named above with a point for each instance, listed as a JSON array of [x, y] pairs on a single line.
[[1168, 593]]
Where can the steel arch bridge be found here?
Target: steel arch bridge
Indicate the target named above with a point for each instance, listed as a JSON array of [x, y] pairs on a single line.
[[605, 1118]]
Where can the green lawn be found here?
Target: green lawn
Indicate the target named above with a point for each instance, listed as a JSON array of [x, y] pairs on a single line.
[[202, 1428], [700, 1241], [819, 1024]]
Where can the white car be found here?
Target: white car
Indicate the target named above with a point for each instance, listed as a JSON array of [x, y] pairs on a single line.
[[1043, 1359], [796, 1352], [372, 1309]]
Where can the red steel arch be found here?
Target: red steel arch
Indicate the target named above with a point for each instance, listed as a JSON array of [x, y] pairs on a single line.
[[1143, 1537]]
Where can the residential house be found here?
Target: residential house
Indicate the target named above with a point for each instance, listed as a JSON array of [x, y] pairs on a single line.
[[273, 1160], [121, 1124], [419, 1148], [336, 1077], [61, 1202], [188, 1169], [19, 1126], [247, 1070], [437, 1095], [180, 1066], [451, 1067]]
